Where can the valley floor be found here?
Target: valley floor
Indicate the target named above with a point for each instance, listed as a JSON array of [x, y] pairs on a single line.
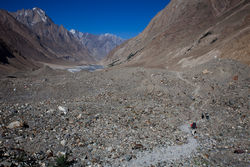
[[127, 117]]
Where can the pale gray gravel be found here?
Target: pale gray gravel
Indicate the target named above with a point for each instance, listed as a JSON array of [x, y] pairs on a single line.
[[163, 154]]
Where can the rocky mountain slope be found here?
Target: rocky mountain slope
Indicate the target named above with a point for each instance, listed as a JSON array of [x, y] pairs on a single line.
[[187, 33], [19, 46], [54, 38], [98, 45]]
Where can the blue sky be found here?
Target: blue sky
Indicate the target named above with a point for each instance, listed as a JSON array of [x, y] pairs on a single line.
[[125, 18]]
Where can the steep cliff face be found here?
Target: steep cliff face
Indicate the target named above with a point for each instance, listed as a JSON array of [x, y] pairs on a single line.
[[187, 33]]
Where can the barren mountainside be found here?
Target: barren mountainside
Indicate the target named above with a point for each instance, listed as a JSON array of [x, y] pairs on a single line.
[[187, 33]]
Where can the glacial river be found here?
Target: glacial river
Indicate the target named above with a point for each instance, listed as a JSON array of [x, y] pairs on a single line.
[[90, 68]]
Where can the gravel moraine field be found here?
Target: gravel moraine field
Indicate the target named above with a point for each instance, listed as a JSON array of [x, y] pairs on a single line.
[[125, 116]]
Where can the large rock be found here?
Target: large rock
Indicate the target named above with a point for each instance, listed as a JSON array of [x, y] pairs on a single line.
[[15, 124], [63, 109]]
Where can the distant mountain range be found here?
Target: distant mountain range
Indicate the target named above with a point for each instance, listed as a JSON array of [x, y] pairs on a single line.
[[98, 45], [188, 33], [30, 37]]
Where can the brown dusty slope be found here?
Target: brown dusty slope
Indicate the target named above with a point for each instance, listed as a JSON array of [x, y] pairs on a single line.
[[188, 33]]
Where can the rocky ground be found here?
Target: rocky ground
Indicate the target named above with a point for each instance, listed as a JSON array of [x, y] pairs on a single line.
[[126, 117]]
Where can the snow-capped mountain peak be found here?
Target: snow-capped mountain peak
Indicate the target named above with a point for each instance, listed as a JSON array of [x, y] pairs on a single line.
[[31, 16]]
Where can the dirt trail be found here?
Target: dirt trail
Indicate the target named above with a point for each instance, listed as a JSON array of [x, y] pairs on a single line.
[[161, 154], [195, 92]]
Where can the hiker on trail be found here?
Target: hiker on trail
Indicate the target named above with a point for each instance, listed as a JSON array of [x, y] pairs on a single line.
[[193, 125]]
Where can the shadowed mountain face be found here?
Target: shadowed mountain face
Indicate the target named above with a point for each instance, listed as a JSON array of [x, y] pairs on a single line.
[[98, 45], [5, 53], [188, 33], [56, 39], [19, 46]]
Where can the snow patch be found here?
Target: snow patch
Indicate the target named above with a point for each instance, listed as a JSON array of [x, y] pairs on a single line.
[[42, 15], [76, 33], [72, 31], [107, 34], [41, 11]]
